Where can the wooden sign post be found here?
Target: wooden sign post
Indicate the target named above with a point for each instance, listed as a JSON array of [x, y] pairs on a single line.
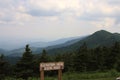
[[60, 74], [51, 66], [42, 74]]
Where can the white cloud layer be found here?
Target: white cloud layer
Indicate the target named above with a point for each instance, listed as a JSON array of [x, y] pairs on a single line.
[[58, 18]]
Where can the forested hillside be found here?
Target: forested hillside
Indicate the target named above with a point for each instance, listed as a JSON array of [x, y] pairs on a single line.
[[83, 60], [99, 38], [97, 52]]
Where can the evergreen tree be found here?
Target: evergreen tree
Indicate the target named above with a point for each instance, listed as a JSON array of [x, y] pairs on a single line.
[[4, 68], [106, 51], [81, 58], [44, 56], [92, 63], [24, 68], [68, 59], [58, 57], [116, 50], [2, 64], [100, 60], [114, 56]]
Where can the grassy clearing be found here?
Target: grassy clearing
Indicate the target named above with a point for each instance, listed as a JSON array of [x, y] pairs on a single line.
[[81, 76]]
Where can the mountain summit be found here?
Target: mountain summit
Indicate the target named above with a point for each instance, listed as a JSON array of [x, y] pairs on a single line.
[[102, 33], [99, 38]]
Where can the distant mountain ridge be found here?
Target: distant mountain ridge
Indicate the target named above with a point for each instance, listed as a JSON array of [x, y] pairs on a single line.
[[2, 51], [51, 43], [37, 48], [99, 38]]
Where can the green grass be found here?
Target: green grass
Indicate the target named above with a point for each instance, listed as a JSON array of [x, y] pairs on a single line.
[[111, 75]]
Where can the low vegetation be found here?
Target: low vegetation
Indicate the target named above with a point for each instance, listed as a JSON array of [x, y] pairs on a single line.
[[111, 75]]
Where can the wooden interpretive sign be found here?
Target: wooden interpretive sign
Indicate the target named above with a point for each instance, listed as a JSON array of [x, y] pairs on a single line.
[[51, 66]]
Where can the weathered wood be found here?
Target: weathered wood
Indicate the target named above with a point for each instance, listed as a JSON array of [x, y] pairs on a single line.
[[60, 74], [42, 74], [118, 78], [51, 66]]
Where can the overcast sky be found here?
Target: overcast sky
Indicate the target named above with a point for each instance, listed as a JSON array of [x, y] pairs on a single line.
[[54, 19]]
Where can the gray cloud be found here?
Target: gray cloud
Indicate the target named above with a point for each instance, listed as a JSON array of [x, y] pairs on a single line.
[[117, 17], [113, 2], [67, 17], [91, 16], [38, 12]]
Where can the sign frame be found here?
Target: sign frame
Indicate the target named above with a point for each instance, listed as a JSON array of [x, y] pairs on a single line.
[[51, 66]]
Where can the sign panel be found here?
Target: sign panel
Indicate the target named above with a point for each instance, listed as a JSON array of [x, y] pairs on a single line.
[[51, 66]]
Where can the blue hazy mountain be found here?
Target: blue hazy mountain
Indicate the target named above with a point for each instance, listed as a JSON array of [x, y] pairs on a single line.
[[2, 51], [37, 47], [99, 38], [51, 43]]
